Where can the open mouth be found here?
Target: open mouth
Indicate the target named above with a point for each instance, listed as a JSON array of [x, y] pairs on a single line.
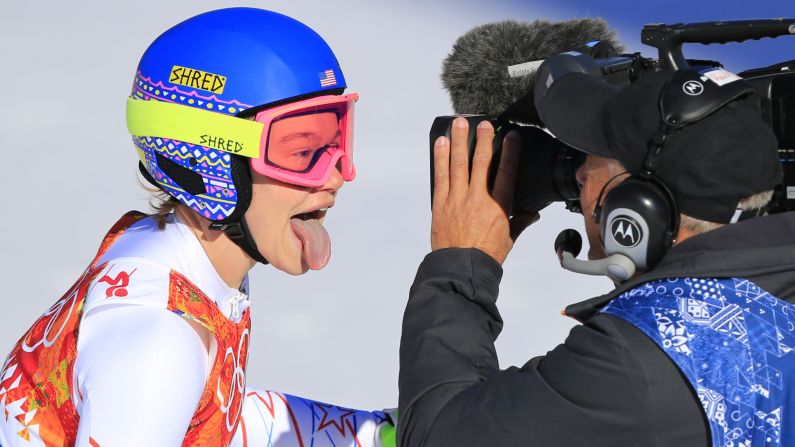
[[312, 215], [313, 240]]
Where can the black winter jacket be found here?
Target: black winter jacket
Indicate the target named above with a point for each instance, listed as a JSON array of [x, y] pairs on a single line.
[[607, 384]]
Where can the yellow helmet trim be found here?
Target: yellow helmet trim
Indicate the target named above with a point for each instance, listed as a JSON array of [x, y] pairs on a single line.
[[210, 129]]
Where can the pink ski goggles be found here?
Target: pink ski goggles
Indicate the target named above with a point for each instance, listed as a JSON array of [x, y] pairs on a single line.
[[300, 143], [303, 142]]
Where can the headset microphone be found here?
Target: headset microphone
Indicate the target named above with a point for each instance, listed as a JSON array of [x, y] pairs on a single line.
[[617, 267]]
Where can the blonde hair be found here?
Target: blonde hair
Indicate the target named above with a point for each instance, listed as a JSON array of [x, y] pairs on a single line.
[[162, 208], [162, 204]]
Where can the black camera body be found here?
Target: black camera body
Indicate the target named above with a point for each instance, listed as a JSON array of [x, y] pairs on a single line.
[[776, 87], [547, 167]]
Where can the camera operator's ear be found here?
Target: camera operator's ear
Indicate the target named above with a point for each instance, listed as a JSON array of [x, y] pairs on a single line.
[[690, 96]]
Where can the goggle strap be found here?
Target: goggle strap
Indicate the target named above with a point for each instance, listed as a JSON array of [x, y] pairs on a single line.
[[195, 126], [254, 110]]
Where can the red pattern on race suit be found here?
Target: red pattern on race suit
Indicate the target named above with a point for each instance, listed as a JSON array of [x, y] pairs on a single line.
[[36, 381], [218, 414]]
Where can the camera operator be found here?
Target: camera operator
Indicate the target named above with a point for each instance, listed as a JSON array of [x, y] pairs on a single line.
[[696, 349]]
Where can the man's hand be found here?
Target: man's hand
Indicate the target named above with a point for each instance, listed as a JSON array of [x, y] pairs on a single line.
[[465, 214]]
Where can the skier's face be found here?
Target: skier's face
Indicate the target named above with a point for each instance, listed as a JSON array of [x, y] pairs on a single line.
[[286, 220]]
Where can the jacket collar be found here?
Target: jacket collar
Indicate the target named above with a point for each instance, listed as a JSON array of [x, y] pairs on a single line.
[[758, 247]]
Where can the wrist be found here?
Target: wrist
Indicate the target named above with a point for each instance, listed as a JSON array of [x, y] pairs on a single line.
[[477, 274]]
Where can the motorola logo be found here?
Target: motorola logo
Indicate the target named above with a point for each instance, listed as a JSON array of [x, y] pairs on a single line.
[[693, 88], [626, 231]]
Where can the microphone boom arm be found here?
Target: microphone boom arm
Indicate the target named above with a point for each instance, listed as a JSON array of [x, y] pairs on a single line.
[[617, 267]]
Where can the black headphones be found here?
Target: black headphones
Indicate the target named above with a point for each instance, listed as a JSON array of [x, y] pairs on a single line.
[[639, 218]]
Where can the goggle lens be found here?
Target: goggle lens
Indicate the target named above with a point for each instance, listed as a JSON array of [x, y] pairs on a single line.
[[305, 140], [297, 141]]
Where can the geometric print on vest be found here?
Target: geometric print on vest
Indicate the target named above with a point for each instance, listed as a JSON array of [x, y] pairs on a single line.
[[734, 342]]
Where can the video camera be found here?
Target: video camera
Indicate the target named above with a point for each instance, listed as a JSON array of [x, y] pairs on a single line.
[[547, 166]]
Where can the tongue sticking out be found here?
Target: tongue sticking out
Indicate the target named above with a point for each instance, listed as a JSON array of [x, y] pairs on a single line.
[[315, 240]]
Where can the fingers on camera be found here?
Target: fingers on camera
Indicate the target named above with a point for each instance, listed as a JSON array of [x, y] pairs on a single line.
[[482, 157], [459, 156], [441, 172], [507, 171]]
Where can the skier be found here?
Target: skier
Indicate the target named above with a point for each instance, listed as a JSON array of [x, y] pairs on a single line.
[[239, 118]]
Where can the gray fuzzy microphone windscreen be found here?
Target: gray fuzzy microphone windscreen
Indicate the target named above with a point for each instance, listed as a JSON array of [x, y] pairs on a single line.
[[477, 75]]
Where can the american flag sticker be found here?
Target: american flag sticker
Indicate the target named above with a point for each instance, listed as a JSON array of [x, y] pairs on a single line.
[[327, 78]]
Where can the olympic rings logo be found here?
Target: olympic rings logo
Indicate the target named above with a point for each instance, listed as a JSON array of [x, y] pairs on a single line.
[[237, 387], [54, 314]]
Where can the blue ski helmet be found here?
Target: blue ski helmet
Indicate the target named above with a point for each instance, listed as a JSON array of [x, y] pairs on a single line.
[[233, 62]]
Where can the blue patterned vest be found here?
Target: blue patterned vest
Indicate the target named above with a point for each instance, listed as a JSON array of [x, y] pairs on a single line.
[[734, 342]]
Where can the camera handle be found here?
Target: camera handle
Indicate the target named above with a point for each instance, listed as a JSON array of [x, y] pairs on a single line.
[[668, 39]]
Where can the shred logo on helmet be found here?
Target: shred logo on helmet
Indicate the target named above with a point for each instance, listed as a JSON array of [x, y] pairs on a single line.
[[197, 84], [202, 80]]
